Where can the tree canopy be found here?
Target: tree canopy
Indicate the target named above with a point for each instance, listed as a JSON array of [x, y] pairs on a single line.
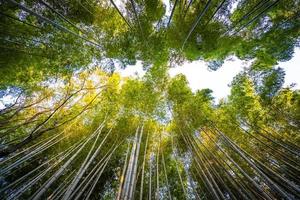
[[73, 128]]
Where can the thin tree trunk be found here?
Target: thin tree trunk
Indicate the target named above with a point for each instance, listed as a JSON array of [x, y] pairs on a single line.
[[51, 22], [133, 179], [176, 163], [100, 173], [130, 167], [256, 17], [86, 163], [23, 22], [58, 173], [87, 180], [150, 179], [123, 174], [61, 16], [257, 187], [241, 153], [116, 7], [196, 22], [187, 9], [218, 8], [172, 13], [143, 168], [256, 7], [166, 176], [157, 169]]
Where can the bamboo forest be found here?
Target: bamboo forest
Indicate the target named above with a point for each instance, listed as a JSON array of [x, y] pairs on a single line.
[[72, 127]]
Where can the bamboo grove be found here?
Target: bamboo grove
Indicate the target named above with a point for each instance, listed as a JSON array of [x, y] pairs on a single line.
[[73, 128]]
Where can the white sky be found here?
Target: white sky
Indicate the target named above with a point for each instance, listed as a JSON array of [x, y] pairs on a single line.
[[199, 77], [168, 8], [132, 70]]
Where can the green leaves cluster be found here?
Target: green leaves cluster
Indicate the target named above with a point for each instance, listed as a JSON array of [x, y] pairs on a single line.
[[57, 61]]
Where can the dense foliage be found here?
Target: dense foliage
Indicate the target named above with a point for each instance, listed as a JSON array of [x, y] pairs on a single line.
[[75, 129]]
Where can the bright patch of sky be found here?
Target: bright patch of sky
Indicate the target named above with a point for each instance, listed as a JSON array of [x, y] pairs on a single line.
[[119, 3], [234, 6], [168, 8], [134, 71], [5, 100], [121, 6], [199, 77], [292, 70]]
